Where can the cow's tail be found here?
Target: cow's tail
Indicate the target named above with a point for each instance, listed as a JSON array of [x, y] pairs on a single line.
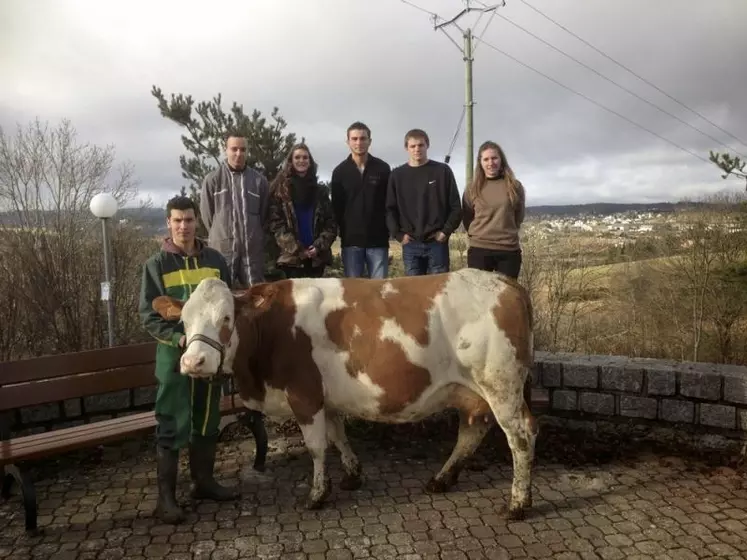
[[526, 298]]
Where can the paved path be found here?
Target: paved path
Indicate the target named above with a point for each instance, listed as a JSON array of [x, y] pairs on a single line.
[[97, 506]]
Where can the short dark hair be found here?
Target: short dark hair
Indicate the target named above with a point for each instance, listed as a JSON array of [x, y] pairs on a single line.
[[358, 125], [180, 202], [232, 133], [417, 133]]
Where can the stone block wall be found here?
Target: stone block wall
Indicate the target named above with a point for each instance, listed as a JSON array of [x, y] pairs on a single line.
[[685, 393]]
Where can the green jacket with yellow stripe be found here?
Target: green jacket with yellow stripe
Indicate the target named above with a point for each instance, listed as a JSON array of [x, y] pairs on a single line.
[[173, 273]]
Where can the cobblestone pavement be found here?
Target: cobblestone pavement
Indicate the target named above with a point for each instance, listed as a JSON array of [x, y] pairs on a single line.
[[643, 505]]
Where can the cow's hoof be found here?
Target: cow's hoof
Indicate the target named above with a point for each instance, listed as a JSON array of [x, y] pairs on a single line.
[[312, 504], [517, 513], [316, 499], [517, 509], [435, 486], [351, 482]]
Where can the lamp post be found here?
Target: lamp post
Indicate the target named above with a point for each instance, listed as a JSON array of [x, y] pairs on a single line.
[[104, 206]]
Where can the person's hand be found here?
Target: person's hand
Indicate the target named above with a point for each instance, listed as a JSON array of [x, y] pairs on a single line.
[[311, 252], [182, 341], [440, 237], [406, 239]]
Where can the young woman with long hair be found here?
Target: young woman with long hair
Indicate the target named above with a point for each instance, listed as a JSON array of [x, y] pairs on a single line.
[[301, 217], [493, 209]]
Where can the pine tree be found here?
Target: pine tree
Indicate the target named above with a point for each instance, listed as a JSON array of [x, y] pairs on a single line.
[[207, 122]]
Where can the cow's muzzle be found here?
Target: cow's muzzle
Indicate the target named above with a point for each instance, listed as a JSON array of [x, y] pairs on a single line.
[[199, 361]]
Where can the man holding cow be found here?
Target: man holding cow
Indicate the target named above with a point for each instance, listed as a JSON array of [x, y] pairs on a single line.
[[187, 409]]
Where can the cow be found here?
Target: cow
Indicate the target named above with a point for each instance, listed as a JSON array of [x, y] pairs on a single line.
[[384, 350]]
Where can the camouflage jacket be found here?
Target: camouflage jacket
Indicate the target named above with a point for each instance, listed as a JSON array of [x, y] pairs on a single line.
[[284, 226]]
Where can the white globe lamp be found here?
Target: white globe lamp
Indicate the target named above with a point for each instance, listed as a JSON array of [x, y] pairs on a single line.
[[103, 205]]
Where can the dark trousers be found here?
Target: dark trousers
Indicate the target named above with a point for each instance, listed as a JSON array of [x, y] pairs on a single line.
[[306, 270], [505, 262], [185, 407]]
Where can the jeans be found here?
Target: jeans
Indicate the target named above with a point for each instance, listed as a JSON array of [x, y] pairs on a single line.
[[421, 258], [505, 262], [375, 259]]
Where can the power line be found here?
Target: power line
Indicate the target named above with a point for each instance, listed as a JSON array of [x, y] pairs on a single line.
[[456, 134], [615, 83], [595, 102], [634, 74], [434, 15], [484, 29]]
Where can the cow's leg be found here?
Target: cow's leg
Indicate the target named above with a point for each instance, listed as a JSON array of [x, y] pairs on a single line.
[[315, 437], [350, 462], [520, 428], [471, 434]]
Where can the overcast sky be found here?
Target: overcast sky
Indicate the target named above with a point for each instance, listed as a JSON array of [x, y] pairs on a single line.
[[326, 63]]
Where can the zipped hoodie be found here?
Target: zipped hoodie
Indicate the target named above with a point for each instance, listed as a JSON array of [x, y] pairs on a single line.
[[172, 272], [234, 207]]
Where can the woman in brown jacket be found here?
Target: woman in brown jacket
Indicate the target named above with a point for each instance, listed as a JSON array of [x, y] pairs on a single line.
[[493, 211], [301, 217]]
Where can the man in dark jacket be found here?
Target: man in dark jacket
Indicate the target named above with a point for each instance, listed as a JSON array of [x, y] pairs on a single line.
[[358, 189], [423, 208], [187, 409]]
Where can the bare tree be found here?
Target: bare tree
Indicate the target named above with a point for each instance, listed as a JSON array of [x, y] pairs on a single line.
[[47, 179], [531, 263], [566, 280], [711, 246]]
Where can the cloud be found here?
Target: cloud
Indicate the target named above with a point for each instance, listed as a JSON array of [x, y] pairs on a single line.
[[330, 62]]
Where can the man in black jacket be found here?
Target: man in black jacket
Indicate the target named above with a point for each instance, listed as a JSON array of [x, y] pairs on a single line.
[[423, 208], [358, 190]]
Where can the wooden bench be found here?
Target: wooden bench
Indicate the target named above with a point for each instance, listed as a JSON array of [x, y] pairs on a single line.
[[56, 378]]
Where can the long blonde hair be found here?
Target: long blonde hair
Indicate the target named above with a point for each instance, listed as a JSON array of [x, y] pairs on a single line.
[[479, 179]]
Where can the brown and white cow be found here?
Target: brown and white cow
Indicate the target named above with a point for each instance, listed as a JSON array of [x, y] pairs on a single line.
[[395, 350]]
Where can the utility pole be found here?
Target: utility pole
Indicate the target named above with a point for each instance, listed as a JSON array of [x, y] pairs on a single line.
[[469, 103], [467, 51]]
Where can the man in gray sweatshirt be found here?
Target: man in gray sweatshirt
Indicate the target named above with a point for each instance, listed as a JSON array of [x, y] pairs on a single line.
[[234, 203]]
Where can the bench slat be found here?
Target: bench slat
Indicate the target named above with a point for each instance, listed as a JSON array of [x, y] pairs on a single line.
[[60, 365], [62, 388], [68, 439], [95, 437], [53, 436]]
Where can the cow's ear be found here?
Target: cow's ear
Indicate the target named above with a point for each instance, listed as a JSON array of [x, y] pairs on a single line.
[[258, 298], [168, 307]]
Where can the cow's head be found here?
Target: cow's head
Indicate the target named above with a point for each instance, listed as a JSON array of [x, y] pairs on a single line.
[[210, 318]]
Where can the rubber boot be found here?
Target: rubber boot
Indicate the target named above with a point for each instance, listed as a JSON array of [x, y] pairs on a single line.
[[202, 465], [167, 509]]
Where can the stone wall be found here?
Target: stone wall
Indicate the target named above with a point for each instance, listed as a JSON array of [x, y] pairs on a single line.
[[712, 396], [687, 394]]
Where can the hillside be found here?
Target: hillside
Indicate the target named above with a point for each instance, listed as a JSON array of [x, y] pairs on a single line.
[[152, 220], [603, 209]]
